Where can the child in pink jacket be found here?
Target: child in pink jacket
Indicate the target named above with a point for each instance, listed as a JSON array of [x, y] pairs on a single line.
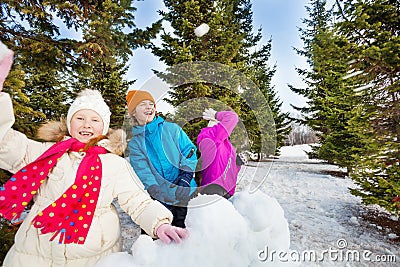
[[220, 167]]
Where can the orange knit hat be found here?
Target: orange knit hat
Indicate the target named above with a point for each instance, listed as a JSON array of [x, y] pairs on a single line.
[[134, 97]]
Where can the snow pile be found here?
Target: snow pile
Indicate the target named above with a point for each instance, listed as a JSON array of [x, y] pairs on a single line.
[[222, 233]]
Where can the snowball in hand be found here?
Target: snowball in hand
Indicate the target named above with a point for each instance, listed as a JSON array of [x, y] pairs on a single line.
[[201, 30]]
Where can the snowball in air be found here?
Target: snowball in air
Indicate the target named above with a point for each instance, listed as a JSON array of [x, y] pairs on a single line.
[[201, 30]]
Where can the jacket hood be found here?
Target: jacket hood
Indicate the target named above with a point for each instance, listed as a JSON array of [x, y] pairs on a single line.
[[54, 131]]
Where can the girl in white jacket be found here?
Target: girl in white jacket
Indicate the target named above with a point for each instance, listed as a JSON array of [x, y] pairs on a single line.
[[73, 179]]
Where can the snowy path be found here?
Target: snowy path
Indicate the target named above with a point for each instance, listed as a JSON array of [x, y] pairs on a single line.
[[322, 214]]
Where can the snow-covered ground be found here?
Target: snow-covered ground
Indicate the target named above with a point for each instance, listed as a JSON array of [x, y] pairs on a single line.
[[323, 215], [291, 196]]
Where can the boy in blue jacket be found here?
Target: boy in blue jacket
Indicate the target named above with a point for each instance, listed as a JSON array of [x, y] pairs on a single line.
[[162, 155]]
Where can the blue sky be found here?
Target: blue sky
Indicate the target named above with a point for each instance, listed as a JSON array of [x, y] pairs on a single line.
[[279, 19]]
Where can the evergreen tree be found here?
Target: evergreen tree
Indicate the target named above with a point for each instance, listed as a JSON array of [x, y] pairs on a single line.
[[28, 30], [331, 96], [106, 53], [353, 93], [373, 28], [275, 131], [57, 43], [220, 45], [216, 58], [315, 24]]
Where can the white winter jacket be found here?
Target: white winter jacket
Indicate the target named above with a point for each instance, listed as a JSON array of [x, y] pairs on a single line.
[[119, 181]]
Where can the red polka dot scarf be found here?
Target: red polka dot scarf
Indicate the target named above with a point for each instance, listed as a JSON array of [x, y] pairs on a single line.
[[70, 216]]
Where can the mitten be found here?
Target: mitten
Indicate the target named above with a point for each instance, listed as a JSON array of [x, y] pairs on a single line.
[[209, 114], [182, 193], [6, 59], [168, 233]]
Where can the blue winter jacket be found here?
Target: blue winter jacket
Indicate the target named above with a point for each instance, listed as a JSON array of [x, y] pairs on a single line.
[[158, 151]]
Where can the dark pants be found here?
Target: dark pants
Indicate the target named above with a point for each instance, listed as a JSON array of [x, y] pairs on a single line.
[[179, 214], [214, 189]]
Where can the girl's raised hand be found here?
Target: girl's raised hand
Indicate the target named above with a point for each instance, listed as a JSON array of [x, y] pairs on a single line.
[[6, 60]]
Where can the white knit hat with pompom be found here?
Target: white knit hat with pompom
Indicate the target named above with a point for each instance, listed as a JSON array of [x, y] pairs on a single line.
[[90, 99]]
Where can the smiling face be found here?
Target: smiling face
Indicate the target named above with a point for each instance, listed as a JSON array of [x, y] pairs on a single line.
[[86, 124], [145, 112]]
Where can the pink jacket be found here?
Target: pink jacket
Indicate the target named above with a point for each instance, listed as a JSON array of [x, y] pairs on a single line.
[[218, 154]]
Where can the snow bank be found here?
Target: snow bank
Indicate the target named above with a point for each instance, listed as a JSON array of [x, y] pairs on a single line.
[[222, 233]]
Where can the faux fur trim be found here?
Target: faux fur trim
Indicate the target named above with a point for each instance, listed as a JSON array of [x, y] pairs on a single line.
[[115, 142], [54, 131]]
